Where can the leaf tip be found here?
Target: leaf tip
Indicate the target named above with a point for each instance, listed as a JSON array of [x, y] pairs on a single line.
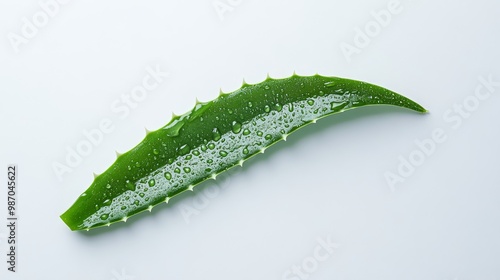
[[118, 154]]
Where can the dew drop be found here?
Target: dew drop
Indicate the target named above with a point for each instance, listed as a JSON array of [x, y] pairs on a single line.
[[269, 137], [290, 107], [210, 161], [267, 87], [136, 202], [250, 104], [108, 186], [129, 167], [83, 195], [223, 153], [104, 217], [230, 111], [130, 185], [123, 207], [188, 157], [236, 127], [278, 107], [203, 147], [177, 170], [334, 105], [216, 134], [245, 151], [310, 102], [138, 164], [260, 133], [211, 146], [330, 84], [184, 149], [152, 182], [168, 176], [107, 202], [174, 128], [246, 132], [187, 169], [196, 153], [141, 194], [267, 109], [155, 151]]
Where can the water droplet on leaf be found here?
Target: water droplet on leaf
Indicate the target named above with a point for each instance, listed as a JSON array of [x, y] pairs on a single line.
[[236, 127], [216, 134], [223, 153]]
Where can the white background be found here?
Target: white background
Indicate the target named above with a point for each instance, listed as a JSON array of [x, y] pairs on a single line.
[[328, 181]]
